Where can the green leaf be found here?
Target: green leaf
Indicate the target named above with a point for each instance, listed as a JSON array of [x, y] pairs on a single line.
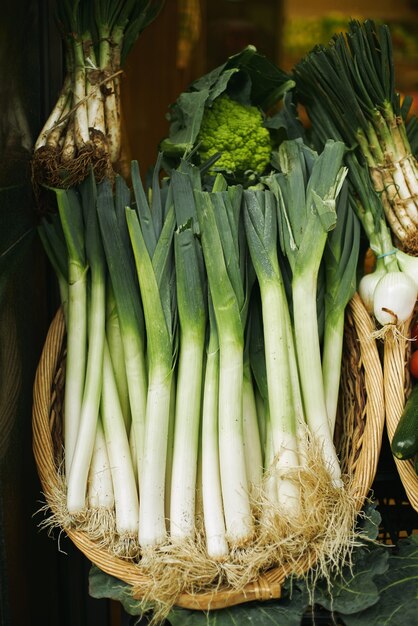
[[103, 585], [283, 612], [397, 586], [357, 590], [249, 76]]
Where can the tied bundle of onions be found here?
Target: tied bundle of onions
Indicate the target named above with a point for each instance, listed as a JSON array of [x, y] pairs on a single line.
[[351, 83], [83, 130]]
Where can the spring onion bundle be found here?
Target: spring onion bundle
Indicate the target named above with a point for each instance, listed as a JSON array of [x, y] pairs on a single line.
[[351, 83], [83, 130]]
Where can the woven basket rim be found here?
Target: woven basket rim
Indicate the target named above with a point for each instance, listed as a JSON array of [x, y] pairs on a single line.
[[268, 585]]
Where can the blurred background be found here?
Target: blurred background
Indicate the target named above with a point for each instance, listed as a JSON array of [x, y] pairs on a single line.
[[43, 579]]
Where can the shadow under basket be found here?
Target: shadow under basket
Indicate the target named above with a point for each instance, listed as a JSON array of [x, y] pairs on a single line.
[[358, 439]]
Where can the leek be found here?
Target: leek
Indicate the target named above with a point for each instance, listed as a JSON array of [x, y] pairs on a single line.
[[215, 210], [309, 185], [89, 410], [129, 309], [152, 253], [83, 131], [261, 230], [191, 304], [71, 216], [213, 513], [340, 261]]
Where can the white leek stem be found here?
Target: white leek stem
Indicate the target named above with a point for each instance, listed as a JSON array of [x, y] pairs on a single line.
[[214, 521], [186, 435], [235, 493], [123, 477], [252, 443], [76, 361], [310, 368], [280, 393], [77, 479], [55, 115], [331, 367], [100, 487], [81, 123], [152, 514]]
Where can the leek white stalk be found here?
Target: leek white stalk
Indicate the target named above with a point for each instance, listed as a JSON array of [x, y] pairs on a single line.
[[129, 310], [191, 306], [213, 516], [235, 490], [70, 212], [89, 411], [115, 343], [152, 513], [252, 443], [118, 449], [307, 189], [100, 486], [340, 261], [261, 229]]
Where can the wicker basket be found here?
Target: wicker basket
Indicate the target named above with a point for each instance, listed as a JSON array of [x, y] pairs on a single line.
[[358, 440], [397, 385]]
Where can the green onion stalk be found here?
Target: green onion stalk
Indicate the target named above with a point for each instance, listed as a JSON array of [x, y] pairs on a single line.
[[396, 293], [352, 82], [83, 130]]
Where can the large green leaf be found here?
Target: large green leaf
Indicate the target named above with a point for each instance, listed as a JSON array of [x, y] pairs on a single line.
[[355, 590], [397, 588], [102, 585], [284, 612], [381, 589]]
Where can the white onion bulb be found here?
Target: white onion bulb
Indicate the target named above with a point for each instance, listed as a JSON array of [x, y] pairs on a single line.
[[394, 298], [366, 288], [408, 264]]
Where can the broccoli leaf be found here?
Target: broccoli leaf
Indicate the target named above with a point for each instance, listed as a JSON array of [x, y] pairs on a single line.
[[249, 77]]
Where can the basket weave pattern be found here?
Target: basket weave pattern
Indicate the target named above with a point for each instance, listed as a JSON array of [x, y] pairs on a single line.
[[358, 441]]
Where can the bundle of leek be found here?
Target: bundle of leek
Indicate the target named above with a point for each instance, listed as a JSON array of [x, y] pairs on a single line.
[[197, 380], [307, 187], [83, 130], [352, 83]]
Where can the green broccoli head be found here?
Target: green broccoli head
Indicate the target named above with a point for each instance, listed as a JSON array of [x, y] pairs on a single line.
[[237, 132]]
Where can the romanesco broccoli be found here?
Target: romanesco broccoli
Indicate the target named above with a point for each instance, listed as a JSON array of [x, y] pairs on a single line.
[[237, 132]]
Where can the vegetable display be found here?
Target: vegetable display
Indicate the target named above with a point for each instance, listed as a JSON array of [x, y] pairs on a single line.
[[205, 304]]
